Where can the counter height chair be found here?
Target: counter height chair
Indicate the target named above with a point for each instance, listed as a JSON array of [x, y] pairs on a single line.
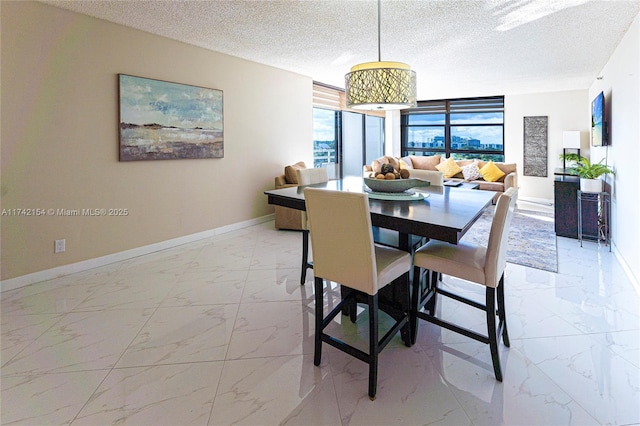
[[344, 252], [481, 265], [308, 177]]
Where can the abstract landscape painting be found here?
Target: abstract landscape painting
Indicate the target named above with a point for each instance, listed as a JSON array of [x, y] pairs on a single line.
[[160, 120]]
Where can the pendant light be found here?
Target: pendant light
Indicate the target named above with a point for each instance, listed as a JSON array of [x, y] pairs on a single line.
[[380, 85]]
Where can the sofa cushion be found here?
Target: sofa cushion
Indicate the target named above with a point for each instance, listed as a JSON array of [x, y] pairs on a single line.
[[290, 172], [471, 171], [490, 172], [506, 167], [449, 167], [406, 163], [425, 163]]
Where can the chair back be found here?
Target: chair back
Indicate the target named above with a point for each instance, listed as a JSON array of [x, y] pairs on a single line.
[[495, 261], [342, 239], [435, 178], [311, 176]]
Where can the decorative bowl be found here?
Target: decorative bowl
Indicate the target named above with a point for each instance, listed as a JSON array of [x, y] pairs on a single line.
[[394, 185]]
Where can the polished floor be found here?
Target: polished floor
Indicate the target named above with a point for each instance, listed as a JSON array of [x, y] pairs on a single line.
[[220, 332]]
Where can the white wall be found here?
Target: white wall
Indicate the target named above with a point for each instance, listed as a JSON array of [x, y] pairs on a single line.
[[565, 111], [620, 82]]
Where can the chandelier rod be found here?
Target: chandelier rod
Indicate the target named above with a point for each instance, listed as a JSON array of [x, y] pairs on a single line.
[[379, 56]]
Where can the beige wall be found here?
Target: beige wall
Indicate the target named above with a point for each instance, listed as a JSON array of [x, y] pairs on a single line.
[[565, 111], [59, 138]]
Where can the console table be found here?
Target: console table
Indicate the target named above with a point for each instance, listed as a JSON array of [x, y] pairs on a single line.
[[566, 189]]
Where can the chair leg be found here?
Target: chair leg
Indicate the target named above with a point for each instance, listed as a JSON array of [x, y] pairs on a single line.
[[406, 330], [373, 345], [305, 256], [415, 302], [353, 311], [502, 314], [433, 278], [319, 297], [492, 332]]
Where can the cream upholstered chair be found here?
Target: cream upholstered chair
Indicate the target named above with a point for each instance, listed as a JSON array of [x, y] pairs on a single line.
[[481, 265], [344, 252], [308, 177], [436, 178]]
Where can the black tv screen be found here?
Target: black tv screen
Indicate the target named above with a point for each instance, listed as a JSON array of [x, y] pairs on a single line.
[[598, 126]]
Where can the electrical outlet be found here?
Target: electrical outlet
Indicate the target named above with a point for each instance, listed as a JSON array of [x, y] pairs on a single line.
[[60, 246]]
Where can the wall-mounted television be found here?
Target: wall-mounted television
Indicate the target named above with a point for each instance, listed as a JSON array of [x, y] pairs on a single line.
[[598, 121]]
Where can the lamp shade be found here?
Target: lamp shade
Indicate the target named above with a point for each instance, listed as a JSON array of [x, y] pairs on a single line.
[[381, 86], [571, 139]]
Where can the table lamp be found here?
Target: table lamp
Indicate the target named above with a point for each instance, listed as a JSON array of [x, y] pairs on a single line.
[[570, 140]]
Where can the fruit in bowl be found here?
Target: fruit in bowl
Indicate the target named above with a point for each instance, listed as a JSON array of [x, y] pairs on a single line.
[[390, 179]]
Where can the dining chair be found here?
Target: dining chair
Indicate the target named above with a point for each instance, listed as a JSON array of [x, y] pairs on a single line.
[[477, 264], [344, 252], [308, 177]]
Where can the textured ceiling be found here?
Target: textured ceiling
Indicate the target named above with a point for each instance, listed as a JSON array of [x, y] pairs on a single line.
[[457, 48]]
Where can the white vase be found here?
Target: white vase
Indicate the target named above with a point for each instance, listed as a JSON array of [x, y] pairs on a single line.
[[590, 185]]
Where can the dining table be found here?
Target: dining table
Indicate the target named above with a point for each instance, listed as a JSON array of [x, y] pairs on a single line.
[[433, 212], [445, 213]]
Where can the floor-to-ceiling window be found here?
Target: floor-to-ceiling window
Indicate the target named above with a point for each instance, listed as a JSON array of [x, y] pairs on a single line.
[[458, 128], [344, 140], [326, 136]]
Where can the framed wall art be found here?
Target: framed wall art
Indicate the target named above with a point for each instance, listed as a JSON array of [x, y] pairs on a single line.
[[160, 120], [535, 146]]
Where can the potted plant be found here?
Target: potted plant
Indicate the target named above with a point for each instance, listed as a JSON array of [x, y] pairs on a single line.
[[588, 172]]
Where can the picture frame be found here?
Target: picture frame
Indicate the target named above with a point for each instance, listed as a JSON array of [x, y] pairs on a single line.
[[535, 146], [161, 120]]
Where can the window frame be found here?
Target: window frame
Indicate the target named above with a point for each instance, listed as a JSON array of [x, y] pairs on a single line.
[[449, 107]]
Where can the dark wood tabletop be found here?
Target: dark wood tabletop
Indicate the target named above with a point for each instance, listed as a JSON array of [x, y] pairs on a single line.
[[445, 214]]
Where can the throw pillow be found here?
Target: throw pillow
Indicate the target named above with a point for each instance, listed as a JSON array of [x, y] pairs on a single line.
[[490, 172], [425, 163], [471, 171], [290, 172], [449, 167], [405, 163]]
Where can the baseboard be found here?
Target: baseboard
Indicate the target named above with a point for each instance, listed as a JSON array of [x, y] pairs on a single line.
[[626, 268], [49, 274]]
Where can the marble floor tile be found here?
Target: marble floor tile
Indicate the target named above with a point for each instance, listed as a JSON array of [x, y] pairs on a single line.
[[275, 285], [219, 331], [595, 377], [410, 390], [271, 329], [203, 286], [182, 334], [287, 390], [19, 331], [55, 298], [80, 341], [47, 399], [624, 343], [527, 396], [180, 394]]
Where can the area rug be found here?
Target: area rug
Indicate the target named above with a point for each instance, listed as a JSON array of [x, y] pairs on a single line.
[[532, 238]]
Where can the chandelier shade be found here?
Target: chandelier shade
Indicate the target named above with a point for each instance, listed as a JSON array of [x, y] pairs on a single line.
[[381, 86]]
